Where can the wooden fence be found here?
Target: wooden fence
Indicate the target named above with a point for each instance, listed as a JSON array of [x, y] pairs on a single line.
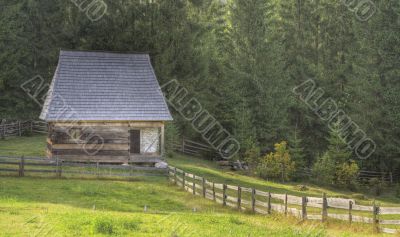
[[18, 128], [186, 146], [25, 166], [363, 177], [194, 148], [305, 208]]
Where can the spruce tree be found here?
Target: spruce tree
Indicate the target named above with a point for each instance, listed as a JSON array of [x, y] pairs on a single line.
[[337, 148], [297, 151]]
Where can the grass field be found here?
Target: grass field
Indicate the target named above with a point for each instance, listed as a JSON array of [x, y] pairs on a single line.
[[82, 207], [70, 207], [211, 171], [23, 146]]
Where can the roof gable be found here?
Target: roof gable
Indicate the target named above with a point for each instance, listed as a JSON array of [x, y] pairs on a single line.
[[96, 86]]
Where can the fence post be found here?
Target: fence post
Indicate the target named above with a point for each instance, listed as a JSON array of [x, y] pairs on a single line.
[[58, 168], [269, 203], [194, 184], [375, 217], [3, 134], [324, 208], [213, 190], [175, 181], [304, 208], [19, 128], [183, 180], [21, 172], [239, 198], [183, 145], [204, 187], [253, 199], [286, 204], [350, 209], [31, 126], [224, 194], [97, 170]]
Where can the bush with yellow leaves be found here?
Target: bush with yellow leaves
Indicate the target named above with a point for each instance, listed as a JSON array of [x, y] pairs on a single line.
[[277, 164]]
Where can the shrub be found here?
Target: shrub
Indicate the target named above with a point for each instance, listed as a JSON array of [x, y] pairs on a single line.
[[170, 154], [104, 226], [376, 186], [324, 170], [346, 174], [235, 221], [131, 225], [302, 188], [252, 156], [27, 133], [278, 164]]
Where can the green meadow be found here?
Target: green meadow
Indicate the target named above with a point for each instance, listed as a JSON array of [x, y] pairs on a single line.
[[143, 206]]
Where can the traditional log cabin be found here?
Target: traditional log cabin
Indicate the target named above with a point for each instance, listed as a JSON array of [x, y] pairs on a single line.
[[105, 107]]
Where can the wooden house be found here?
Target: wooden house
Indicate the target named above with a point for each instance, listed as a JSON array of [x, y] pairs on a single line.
[[105, 107]]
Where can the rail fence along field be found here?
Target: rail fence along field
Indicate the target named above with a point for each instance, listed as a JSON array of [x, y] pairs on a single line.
[[305, 208], [195, 148], [30, 166], [20, 127]]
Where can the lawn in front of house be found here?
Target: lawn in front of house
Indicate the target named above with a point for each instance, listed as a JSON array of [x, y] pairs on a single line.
[[144, 207]]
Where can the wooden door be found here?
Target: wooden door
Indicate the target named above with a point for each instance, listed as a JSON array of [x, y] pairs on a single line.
[[135, 141]]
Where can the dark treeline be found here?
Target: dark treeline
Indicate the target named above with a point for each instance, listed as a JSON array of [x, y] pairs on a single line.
[[241, 59]]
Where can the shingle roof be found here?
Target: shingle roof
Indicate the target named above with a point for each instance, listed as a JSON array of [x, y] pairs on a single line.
[[97, 86]]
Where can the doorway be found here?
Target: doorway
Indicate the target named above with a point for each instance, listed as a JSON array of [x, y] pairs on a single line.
[[135, 141]]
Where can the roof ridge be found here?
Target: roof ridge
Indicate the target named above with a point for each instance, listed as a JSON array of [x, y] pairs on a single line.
[[105, 51]]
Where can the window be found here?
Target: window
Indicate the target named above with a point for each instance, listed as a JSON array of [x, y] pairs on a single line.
[[75, 133], [150, 140]]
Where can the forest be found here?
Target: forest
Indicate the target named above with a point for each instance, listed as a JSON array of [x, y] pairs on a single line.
[[245, 62]]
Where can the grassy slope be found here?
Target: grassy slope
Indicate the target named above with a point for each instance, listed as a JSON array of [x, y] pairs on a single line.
[[51, 207], [26, 146], [54, 207], [211, 171]]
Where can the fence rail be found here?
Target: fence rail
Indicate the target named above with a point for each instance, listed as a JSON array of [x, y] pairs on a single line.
[[305, 208], [194, 148], [24, 166], [190, 147], [19, 127]]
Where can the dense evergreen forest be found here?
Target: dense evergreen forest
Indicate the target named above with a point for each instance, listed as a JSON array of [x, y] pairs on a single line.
[[241, 59]]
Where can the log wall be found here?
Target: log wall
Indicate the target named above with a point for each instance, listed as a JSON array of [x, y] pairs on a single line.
[[102, 141]]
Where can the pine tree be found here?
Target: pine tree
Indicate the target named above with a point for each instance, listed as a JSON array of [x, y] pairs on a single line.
[[337, 148], [297, 151], [255, 68]]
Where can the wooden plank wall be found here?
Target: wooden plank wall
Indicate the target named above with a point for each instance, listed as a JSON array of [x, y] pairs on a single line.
[[98, 141]]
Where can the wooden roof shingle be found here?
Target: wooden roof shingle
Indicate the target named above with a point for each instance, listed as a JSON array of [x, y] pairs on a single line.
[[97, 86]]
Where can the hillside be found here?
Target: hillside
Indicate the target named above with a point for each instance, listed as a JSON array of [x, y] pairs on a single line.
[[50, 207], [212, 171], [139, 207]]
